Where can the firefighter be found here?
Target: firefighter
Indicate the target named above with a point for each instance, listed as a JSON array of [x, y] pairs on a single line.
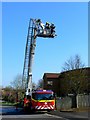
[[38, 20], [41, 25], [52, 28], [47, 25]]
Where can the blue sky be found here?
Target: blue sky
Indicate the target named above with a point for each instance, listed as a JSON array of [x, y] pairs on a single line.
[[71, 21]]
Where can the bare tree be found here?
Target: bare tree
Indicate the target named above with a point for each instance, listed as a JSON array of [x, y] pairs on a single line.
[[40, 83], [33, 86], [19, 85], [17, 82], [73, 63], [75, 79]]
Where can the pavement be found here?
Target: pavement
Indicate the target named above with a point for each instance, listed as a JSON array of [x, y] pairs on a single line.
[[87, 109], [71, 114]]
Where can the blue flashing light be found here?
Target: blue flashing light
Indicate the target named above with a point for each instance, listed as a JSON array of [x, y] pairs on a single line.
[[44, 91]]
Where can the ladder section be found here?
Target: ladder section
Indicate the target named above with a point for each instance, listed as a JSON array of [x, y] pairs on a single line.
[[27, 55]]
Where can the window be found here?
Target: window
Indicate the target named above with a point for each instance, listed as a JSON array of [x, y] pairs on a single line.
[[43, 96], [50, 82]]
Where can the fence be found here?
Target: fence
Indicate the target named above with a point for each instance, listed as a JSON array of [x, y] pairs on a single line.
[[83, 100], [67, 102], [63, 103]]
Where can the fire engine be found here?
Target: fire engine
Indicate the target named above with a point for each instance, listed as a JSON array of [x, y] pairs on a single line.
[[41, 100], [36, 99]]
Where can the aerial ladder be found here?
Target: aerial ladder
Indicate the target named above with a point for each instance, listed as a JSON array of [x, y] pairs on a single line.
[[36, 29]]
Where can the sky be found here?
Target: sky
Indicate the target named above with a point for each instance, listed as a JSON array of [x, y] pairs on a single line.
[[71, 21]]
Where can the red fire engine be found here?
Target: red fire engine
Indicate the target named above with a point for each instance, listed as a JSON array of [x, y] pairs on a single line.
[[39, 99]]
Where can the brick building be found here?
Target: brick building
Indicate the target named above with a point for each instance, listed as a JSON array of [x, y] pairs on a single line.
[[51, 81], [62, 83]]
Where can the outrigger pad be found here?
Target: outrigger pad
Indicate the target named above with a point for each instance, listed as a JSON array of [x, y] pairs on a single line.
[[46, 35]]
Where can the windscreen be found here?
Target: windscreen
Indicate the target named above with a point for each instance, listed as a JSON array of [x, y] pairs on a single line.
[[42, 96]]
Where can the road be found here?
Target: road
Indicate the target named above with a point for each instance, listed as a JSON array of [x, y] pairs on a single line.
[[44, 116], [11, 112]]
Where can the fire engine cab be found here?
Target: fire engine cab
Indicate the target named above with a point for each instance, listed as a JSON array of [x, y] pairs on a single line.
[[41, 100]]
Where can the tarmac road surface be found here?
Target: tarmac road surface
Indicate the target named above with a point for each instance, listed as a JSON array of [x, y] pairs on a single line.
[[10, 113], [44, 116]]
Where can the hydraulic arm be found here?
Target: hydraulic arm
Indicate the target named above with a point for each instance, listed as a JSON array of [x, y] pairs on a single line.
[[36, 29]]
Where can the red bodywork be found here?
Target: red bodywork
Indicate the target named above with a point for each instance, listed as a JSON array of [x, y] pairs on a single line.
[[41, 104]]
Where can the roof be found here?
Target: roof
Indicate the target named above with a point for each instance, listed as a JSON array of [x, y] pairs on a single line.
[[56, 75], [68, 71], [51, 75]]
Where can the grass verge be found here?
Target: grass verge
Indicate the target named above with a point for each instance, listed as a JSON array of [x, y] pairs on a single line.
[[6, 104]]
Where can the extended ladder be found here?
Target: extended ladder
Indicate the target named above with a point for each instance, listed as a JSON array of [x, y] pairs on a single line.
[[34, 30], [27, 54]]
